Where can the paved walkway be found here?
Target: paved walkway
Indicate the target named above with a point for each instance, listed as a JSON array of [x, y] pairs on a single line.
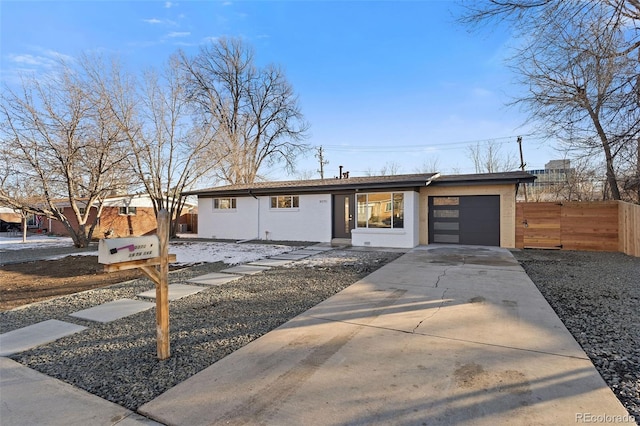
[[443, 335]]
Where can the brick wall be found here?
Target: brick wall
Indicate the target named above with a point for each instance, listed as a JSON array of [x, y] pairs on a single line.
[[142, 223]]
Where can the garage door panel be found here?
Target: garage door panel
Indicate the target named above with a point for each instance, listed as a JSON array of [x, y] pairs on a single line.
[[473, 220]]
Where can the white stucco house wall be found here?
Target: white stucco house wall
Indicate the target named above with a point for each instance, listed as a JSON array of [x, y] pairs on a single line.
[[380, 211]]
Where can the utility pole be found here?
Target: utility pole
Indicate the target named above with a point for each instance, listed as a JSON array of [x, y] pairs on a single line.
[[522, 166], [320, 157]]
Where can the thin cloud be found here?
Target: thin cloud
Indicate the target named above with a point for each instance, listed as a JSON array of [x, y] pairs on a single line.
[[58, 55], [27, 59], [184, 44], [37, 63], [481, 92], [175, 34], [168, 5], [211, 39], [156, 21], [46, 58]]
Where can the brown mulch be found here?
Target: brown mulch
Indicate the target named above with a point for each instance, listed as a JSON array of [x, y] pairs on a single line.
[[24, 283]]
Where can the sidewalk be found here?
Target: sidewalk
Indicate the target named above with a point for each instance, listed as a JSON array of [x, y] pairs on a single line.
[[443, 335], [32, 398]]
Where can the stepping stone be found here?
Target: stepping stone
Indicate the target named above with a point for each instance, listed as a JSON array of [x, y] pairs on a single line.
[[176, 291], [34, 335], [214, 278], [289, 256], [270, 262], [305, 252], [246, 269], [319, 248], [112, 311]]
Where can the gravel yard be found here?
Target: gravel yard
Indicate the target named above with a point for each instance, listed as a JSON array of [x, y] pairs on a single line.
[[117, 361], [597, 297]]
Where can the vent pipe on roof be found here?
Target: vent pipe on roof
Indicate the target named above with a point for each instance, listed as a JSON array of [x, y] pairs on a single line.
[[342, 175]]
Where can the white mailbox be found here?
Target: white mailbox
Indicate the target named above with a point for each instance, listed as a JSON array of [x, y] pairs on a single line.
[[117, 250]]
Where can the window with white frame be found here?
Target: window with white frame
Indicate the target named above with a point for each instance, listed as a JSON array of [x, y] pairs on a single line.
[[285, 202], [127, 211], [224, 203], [380, 210]]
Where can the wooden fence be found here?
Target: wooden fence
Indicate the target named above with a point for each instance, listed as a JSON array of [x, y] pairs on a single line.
[[629, 229], [594, 226]]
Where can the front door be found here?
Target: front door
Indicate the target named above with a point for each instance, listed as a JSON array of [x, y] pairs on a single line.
[[343, 215]]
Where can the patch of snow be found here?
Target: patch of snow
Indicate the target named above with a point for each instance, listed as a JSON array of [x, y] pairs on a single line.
[[335, 258], [187, 252], [34, 241]]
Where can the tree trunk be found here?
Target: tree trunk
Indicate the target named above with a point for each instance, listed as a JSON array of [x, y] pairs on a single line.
[[606, 146], [24, 228]]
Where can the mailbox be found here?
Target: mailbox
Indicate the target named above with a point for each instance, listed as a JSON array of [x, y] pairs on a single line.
[[117, 250]]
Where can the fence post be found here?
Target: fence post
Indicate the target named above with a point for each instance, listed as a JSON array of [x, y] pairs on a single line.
[[162, 288]]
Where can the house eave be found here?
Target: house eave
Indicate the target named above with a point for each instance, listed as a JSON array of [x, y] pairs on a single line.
[[406, 183]]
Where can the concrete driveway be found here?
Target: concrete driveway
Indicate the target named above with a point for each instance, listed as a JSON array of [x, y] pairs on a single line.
[[443, 335]]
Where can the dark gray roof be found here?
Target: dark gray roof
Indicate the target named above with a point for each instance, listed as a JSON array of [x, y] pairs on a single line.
[[319, 185], [360, 183], [485, 178]]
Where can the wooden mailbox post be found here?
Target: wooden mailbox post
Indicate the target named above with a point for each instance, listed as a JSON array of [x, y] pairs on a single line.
[[151, 255]]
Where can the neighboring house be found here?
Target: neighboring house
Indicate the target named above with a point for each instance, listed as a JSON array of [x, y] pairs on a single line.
[[122, 216], [9, 216], [384, 211]]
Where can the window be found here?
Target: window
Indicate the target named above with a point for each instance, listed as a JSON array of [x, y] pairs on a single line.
[[82, 210], [285, 202], [127, 211], [32, 220], [381, 210], [224, 203]]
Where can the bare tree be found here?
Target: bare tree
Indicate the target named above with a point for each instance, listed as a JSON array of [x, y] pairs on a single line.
[[169, 148], [429, 165], [60, 137], [305, 174], [579, 63], [389, 168], [254, 110], [15, 187], [489, 158]]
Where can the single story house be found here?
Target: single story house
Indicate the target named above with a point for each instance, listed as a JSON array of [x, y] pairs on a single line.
[[9, 215], [9, 219], [122, 216], [379, 211]]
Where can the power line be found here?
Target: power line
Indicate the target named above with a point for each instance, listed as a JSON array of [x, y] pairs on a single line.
[[422, 147]]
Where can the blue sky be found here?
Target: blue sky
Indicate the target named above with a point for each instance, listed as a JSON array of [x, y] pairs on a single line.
[[379, 82]]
